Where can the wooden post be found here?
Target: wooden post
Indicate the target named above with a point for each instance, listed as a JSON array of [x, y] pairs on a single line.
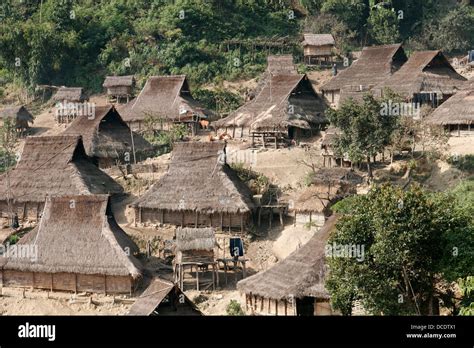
[[294, 223], [51, 282], [281, 217], [241, 223], [230, 221], [181, 271], [276, 307], [75, 283], [222, 221], [182, 219], [269, 304], [253, 139], [196, 219], [270, 219], [286, 307], [197, 278], [105, 284], [263, 139], [259, 216]]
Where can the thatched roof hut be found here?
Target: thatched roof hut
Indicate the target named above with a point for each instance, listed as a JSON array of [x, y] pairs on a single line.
[[458, 110], [107, 138], [286, 100], [296, 277], [55, 165], [198, 182], [19, 114], [69, 94], [118, 81], [78, 235], [318, 40], [375, 65], [424, 72], [195, 239], [164, 97]]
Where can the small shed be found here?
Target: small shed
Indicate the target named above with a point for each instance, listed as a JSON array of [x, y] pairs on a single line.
[[162, 298], [119, 88], [19, 115], [195, 250], [69, 104], [317, 48]]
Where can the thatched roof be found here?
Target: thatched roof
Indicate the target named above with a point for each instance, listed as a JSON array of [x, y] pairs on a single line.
[[318, 40], [166, 97], [197, 180], [70, 94], [330, 136], [106, 135], [374, 66], [301, 274], [55, 165], [118, 81], [311, 200], [285, 100], [154, 294], [458, 109], [425, 71], [281, 64], [84, 239], [19, 113], [195, 239], [334, 175]]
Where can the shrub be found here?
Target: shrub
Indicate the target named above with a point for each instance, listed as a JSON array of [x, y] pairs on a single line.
[[234, 308]]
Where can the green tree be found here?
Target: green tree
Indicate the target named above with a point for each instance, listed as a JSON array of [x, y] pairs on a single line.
[[383, 26], [407, 238], [365, 129]]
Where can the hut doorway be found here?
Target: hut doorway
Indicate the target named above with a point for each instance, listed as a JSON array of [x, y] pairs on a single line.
[[305, 306]]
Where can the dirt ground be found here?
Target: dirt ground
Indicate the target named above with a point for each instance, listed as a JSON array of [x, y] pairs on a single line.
[[36, 302]]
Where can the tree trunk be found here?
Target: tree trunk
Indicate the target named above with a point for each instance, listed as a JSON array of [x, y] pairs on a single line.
[[369, 168]]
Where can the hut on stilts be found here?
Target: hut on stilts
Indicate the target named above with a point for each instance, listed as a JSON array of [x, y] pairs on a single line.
[[69, 104], [195, 251], [119, 88], [20, 116]]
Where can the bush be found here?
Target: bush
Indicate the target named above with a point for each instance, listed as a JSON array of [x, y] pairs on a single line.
[[234, 308], [464, 163]]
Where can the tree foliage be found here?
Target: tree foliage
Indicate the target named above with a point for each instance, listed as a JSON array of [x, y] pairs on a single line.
[[412, 239]]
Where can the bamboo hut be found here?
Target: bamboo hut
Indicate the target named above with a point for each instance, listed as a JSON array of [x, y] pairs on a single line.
[[295, 285], [286, 107], [119, 88], [163, 102], [199, 190], [107, 138], [331, 157], [69, 103], [19, 115], [79, 247], [457, 113], [374, 66], [163, 298], [427, 78], [50, 165], [195, 249], [317, 47]]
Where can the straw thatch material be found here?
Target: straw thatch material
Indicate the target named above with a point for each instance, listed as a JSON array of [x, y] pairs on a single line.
[[318, 40], [166, 97], [69, 94], [425, 71], [284, 101], [82, 240], [311, 200], [457, 110], [198, 180], [375, 65], [280, 64], [55, 165], [154, 295], [300, 275], [195, 239], [18, 113], [119, 81], [106, 135]]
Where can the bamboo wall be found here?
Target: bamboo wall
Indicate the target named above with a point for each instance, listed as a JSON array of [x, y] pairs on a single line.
[[318, 50], [68, 281], [119, 91], [26, 211], [257, 305], [191, 219]]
